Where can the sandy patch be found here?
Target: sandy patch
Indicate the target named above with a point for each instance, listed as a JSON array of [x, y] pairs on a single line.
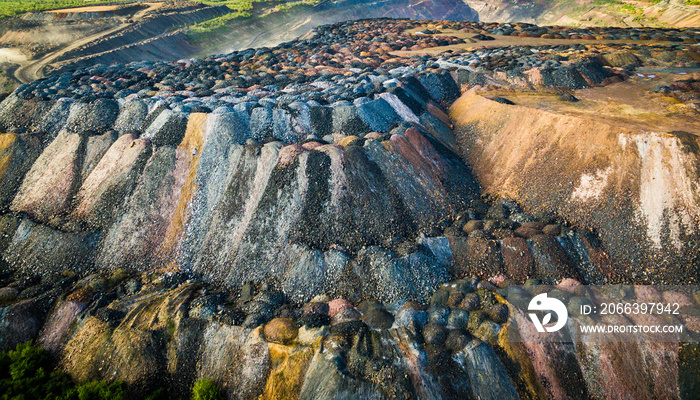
[[97, 8], [15, 56]]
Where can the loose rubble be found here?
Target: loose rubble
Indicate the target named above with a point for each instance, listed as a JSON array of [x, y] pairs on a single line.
[[296, 221]]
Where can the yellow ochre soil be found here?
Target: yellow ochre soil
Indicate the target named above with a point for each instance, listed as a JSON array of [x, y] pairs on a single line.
[[503, 41], [629, 103]]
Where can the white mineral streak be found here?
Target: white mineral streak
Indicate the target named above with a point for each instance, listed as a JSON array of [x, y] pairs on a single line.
[[296, 203], [591, 186], [265, 165], [667, 196], [401, 109], [338, 180]]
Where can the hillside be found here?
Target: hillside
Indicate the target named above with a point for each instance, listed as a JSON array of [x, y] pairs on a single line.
[[368, 211]]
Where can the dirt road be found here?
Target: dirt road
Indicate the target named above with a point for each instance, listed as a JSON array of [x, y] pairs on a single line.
[[32, 71]]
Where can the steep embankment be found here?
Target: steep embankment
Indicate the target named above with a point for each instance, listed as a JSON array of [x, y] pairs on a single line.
[[166, 20], [627, 178], [190, 182], [156, 37], [85, 13], [632, 13]]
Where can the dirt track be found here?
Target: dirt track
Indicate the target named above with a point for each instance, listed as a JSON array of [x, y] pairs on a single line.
[[32, 71]]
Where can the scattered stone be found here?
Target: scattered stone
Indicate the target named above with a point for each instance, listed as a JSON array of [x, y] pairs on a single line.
[[281, 330]]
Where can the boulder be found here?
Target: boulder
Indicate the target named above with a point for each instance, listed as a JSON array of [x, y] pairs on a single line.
[[378, 115], [132, 116], [93, 118], [346, 120], [54, 120], [168, 129], [281, 330], [261, 123]]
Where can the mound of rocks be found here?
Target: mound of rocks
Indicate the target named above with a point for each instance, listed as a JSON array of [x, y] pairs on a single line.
[[295, 222], [323, 163], [167, 331]]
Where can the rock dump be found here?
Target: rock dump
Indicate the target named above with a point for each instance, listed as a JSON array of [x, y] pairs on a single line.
[[169, 330], [297, 175], [322, 168]]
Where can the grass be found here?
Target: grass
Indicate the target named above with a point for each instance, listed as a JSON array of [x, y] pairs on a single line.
[[216, 23], [288, 6], [204, 30], [209, 29], [15, 8], [237, 5]]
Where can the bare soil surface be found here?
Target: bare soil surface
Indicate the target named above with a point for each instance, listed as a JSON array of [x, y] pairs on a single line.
[[505, 41], [10, 55], [630, 103], [85, 9], [33, 70]]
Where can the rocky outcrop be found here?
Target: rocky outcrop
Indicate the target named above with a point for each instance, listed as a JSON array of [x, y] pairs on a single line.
[[466, 342]]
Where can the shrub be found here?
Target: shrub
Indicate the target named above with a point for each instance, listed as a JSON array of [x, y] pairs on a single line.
[[101, 390], [205, 389], [28, 373]]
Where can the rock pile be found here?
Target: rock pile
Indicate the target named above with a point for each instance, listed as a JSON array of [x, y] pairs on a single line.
[[168, 330], [318, 158], [324, 168]]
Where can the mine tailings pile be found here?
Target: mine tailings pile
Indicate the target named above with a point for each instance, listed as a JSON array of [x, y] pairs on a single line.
[[317, 231], [346, 198], [632, 185]]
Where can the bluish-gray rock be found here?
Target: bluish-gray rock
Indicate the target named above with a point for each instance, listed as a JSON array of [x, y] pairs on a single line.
[[39, 249], [93, 118], [261, 123], [488, 377], [54, 120], [378, 115], [168, 129], [347, 121], [132, 116], [135, 235]]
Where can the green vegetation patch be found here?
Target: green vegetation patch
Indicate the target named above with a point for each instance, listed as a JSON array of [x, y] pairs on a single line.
[[28, 373], [237, 5], [15, 8], [288, 6], [217, 23], [205, 389], [206, 30]]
